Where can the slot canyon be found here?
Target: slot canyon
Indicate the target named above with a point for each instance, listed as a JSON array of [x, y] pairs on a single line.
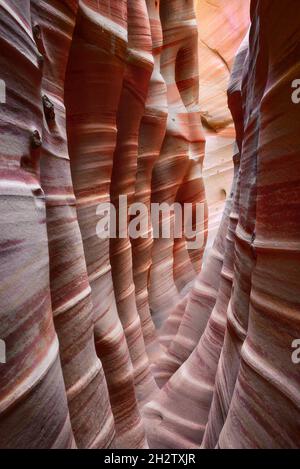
[[112, 334]]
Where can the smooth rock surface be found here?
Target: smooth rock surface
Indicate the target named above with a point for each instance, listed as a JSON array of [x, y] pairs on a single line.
[[127, 342]]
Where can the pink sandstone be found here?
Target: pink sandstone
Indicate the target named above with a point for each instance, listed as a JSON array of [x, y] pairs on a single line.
[[137, 343]]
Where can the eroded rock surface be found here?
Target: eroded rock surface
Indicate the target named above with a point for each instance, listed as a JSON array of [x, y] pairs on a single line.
[[137, 342]]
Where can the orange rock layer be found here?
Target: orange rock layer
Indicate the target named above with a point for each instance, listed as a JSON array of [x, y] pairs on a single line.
[[137, 342]]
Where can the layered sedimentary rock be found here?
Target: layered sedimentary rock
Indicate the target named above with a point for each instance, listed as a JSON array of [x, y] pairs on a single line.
[[188, 318], [33, 403], [235, 103], [246, 397], [192, 313], [151, 134], [222, 26], [92, 62], [100, 101], [179, 163], [94, 85], [138, 70], [184, 402], [263, 322], [178, 415], [88, 398]]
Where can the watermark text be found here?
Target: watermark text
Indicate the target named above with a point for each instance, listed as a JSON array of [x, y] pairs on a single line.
[[165, 220]]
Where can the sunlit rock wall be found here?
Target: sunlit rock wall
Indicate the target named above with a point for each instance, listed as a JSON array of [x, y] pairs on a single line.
[[230, 375], [98, 103], [221, 28], [134, 342]]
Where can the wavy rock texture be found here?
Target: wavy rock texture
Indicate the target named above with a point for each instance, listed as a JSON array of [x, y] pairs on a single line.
[[184, 402], [31, 381], [184, 325], [236, 106], [239, 384], [263, 322], [96, 68], [173, 267], [135, 342], [151, 135], [138, 70], [222, 26], [85, 382]]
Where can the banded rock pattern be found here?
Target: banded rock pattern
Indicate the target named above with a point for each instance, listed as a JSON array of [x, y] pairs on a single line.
[[94, 84], [222, 26], [31, 380], [237, 386], [69, 145], [264, 321], [143, 342], [180, 158], [151, 134], [137, 74], [184, 402]]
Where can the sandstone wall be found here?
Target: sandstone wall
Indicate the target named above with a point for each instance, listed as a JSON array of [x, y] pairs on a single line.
[[228, 377], [99, 104], [221, 28], [128, 342]]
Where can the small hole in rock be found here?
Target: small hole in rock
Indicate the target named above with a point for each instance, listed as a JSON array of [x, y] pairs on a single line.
[[25, 162], [223, 194], [38, 192]]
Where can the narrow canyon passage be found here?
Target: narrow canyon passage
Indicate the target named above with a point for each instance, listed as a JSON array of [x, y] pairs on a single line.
[[149, 224]]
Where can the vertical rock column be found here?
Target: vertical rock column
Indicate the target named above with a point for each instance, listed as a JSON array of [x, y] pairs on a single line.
[[93, 87], [33, 403], [264, 410], [191, 190], [195, 309], [183, 128], [139, 66], [151, 135], [221, 28], [182, 407], [228, 363], [215, 59], [179, 413], [88, 399]]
